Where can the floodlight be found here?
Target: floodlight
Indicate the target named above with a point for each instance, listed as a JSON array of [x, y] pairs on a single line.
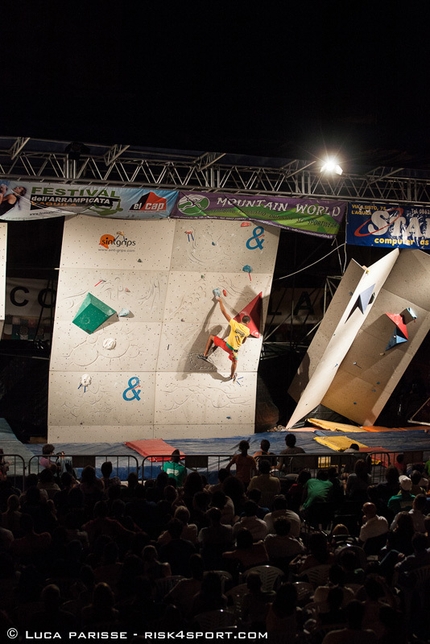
[[331, 166]]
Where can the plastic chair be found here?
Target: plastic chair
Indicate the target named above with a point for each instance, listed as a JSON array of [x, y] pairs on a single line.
[[304, 591], [270, 576], [165, 584], [226, 578], [236, 594], [318, 575], [215, 620]]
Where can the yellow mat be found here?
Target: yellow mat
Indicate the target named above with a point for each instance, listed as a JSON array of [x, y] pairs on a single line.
[[335, 427], [338, 443]]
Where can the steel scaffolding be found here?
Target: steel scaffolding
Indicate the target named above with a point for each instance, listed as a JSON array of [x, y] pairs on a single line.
[[123, 165]]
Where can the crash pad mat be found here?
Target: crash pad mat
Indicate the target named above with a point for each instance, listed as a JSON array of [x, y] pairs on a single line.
[[154, 448]]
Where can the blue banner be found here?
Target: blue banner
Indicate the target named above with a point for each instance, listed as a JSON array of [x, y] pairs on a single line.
[[388, 227]]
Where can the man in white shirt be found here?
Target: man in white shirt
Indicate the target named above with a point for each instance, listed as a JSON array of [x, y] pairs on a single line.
[[257, 527], [373, 524]]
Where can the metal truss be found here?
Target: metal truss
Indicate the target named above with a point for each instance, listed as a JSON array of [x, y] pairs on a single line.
[[25, 158]]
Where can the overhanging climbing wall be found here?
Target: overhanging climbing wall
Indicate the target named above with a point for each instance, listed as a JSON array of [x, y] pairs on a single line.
[[135, 305], [359, 353]]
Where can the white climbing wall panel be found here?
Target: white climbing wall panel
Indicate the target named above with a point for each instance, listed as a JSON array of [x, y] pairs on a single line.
[[137, 375]]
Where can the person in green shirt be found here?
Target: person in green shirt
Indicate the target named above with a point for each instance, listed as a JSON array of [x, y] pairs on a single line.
[[174, 469]]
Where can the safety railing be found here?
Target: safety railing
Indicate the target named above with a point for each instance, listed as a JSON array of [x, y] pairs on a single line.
[[12, 469], [122, 464], [209, 464]]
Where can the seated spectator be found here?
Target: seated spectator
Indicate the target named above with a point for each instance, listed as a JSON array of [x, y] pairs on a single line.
[[110, 567], [318, 490], [419, 484], [403, 499], [318, 554], [280, 508], [189, 530], [107, 478], [385, 490], [419, 557], [183, 593], [296, 490], [28, 548], [102, 524], [223, 473], [91, 487], [282, 545], [373, 524], [247, 552], [257, 527], [152, 567], [417, 512], [358, 482], [214, 540], [336, 579], [177, 551], [283, 615], [175, 469], [210, 596], [47, 482], [224, 503], [335, 614], [269, 485], [255, 602], [12, 516], [101, 613], [59, 620], [354, 632], [255, 495]]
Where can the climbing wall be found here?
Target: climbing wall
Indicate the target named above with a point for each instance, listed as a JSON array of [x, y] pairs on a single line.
[[135, 306], [359, 354], [3, 246]]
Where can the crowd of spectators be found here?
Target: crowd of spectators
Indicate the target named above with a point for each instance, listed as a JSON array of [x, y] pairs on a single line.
[[93, 554]]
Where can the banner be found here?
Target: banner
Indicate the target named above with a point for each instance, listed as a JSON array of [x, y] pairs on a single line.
[[24, 200], [388, 227], [321, 218]]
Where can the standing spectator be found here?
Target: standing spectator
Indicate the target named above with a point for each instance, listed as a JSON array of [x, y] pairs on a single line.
[[264, 454], [290, 450], [246, 465]]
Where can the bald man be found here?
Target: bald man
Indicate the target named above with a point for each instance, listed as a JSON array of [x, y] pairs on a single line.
[[373, 524]]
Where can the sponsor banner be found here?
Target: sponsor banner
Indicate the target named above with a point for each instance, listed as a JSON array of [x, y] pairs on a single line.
[[314, 217], [22, 200], [388, 226], [29, 309]]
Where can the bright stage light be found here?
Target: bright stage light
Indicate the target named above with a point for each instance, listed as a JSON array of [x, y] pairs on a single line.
[[331, 166]]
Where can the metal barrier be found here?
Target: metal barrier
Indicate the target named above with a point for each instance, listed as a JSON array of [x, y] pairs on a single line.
[[13, 467], [208, 464], [122, 464]]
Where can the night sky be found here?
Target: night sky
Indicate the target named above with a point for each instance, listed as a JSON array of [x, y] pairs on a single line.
[[273, 79]]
